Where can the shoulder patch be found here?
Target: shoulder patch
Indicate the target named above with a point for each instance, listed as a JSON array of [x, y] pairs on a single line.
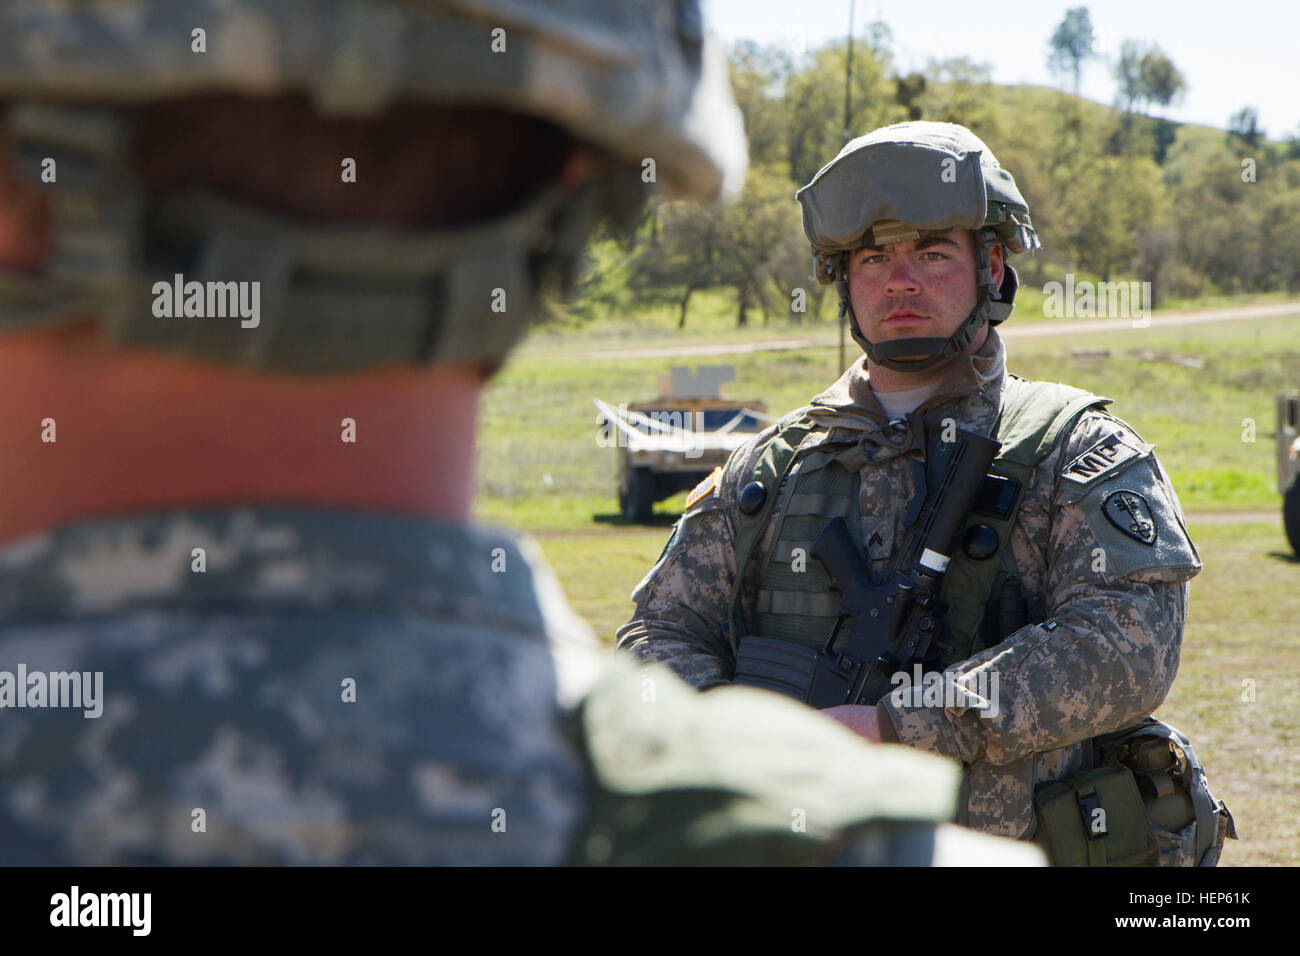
[[1104, 458], [1131, 513], [1135, 521], [704, 487]]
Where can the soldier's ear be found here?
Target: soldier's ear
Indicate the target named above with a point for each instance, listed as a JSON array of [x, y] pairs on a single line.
[[996, 263]]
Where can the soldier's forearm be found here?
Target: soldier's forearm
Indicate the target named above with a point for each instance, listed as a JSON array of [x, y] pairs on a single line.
[[1105, 661], [700, 665]]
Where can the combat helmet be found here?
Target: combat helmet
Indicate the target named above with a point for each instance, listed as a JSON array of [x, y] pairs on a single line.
[[910, 181], [639, 81]]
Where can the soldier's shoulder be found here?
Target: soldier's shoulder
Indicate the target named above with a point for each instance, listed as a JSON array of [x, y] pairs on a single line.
[[1124, 497], [1097, 424], [744, 461], [375, 711]]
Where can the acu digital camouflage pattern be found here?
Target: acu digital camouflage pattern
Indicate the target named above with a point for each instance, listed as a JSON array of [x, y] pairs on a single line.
[[1108, 659], [638, 77], [223, 690], [486, 726]]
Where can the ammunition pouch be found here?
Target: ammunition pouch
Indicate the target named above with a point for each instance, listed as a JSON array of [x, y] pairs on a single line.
[[1095, 818], [1143, 800], [781, 666]]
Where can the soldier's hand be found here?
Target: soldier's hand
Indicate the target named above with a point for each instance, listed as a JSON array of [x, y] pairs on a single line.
[[862, 720]]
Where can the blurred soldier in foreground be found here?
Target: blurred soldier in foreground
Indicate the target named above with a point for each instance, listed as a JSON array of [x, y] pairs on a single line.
[[1053, 612], [260, 260]]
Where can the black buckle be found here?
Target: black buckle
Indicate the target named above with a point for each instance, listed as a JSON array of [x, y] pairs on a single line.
[[1089, 804]]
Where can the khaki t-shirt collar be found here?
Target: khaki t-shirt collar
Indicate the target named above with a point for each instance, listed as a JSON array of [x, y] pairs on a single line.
[[850, 400]]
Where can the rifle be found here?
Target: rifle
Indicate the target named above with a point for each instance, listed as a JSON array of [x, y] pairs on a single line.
[[880, 627]]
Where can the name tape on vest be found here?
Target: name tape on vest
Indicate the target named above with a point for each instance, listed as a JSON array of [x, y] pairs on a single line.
[[1104, 458]]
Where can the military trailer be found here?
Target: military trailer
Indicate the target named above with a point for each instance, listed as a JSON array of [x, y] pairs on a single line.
[[673, 442], [1288, 464]]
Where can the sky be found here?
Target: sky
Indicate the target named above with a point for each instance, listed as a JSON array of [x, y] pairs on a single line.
[[1232, 55]]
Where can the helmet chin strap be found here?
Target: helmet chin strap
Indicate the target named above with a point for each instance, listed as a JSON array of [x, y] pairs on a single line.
[[993, 304]]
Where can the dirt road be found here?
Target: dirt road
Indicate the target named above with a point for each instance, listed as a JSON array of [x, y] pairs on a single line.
[[1011, 332], [1235, 517]]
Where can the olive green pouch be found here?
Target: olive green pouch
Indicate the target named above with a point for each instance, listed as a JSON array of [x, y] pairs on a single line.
[[1187, 822], [1095, 818]]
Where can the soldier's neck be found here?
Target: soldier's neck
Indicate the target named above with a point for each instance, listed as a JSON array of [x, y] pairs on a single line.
[[889, 380], [144, 432]]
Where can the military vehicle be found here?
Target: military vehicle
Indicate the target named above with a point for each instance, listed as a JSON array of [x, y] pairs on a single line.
[[1288, 464], [673, 442]]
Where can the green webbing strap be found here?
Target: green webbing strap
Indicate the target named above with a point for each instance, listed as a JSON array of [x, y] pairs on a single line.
[[771, 470], [1096, 848], [1032, 419], [803, 603], [807, 503], [783, 551]]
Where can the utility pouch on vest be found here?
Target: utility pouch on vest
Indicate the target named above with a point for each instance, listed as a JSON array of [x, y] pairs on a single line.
[[1175, 810], [780, 666], [1095, 818]]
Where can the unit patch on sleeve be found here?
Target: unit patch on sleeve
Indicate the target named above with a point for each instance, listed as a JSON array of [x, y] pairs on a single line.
[[1104, 458], [704, 487], [1131, 513]]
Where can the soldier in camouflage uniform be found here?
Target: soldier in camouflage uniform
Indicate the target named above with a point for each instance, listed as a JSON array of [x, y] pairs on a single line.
[[250, 531], [912, 222]]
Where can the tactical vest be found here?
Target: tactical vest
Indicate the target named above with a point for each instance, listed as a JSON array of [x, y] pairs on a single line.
[[794, 600], [1147, 776]]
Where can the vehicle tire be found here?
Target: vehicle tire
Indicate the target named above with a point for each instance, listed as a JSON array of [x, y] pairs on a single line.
[[638, 500], [1291, 515]]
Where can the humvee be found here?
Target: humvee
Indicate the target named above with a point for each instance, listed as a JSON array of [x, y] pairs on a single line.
[[1288, 464], [673, 442]]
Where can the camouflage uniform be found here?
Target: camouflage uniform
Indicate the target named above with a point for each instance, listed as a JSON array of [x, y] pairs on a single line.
[[1104, 655], [339, 687], [223, 690], [475, 695]]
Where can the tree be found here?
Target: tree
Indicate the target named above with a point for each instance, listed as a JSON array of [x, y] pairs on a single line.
[[1144, 76], [1243, 126], [814, 100], [910, 90], [753, 233], [1161, 81], [755, 246], [1219, 223], [684, 258], [1280, 240], [1073, 42], [1128, 75], [758, 76], [1116, 199], [961, 91], [879, 37]]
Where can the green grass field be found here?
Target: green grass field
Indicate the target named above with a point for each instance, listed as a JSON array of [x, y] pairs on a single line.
[[541, 467], [1243, 641], [543, 472]]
